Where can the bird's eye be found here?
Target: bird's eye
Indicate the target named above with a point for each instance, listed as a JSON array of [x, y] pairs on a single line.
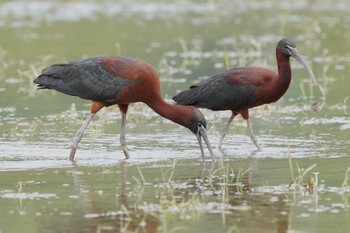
[[199, 127], [288, 49]]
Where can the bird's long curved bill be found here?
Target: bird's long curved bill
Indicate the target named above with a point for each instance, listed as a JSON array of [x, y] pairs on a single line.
[[202, 134], [294, 52]]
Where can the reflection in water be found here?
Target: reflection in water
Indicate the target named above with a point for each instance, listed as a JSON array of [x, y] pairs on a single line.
[[218, 190], [116, 218], [134, 221], [268, 211], [202, 197], [221, 190], [123, 197]]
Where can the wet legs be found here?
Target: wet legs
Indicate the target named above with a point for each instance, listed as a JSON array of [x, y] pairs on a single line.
[[251, 134], [250, 131], [224, 130], [122, 136], [79, 136], [123, 110]]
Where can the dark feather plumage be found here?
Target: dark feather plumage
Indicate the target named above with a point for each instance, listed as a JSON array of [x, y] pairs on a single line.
[[243, 88], [121, 80], [85, 78], [219, 92]]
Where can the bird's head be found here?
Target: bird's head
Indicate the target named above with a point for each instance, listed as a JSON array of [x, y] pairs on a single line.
[[285, 46], [196, 121], [288, 49], [197, 124]]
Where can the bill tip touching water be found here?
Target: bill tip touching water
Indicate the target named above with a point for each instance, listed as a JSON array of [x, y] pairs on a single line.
[[242, 88], [107, 81]]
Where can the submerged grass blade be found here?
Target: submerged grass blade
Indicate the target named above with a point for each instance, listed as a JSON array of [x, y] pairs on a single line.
[[141, 175], [299, 181], [227, 62], [290, 163], [309, 169], [346, 179], [302, 90], [183, 45]]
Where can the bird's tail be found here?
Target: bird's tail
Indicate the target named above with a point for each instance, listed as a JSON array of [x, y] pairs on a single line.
[[50, 78], [186, 98], [42, 82]]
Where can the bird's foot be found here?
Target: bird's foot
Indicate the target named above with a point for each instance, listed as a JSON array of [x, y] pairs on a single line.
[[224, 152], [213, 159], [259, 148]]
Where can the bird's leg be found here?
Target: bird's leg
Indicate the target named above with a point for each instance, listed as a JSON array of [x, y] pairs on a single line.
[[251, 134], [95, 107], [123, 109], [79, 136], [122, 136], [225, 129]]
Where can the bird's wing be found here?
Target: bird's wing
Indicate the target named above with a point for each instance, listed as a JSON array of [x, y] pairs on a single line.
[[86, 78], [229, 90]]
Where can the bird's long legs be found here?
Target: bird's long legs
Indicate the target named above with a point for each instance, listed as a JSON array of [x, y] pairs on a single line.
[[224, 130], [123, 109], [122, 136], [251, 134], [250, 130], [79, 136]]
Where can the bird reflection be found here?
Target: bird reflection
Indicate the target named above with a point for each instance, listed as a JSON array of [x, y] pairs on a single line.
[[227, 186]]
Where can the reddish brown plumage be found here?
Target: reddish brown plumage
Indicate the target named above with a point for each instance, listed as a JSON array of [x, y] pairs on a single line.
[[242, 88], [118, 80]]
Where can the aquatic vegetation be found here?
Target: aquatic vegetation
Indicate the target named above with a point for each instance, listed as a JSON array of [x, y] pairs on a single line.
[[298, 182], [3, 63], [346, 182]]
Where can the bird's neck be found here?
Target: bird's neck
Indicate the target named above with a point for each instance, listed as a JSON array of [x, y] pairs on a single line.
[[175, 113], [284, 72]]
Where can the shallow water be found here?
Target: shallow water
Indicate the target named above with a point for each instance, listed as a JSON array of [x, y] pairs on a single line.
[[165, 187]]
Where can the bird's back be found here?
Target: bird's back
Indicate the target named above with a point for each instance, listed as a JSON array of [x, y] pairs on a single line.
[[230, 90], [96, 78]]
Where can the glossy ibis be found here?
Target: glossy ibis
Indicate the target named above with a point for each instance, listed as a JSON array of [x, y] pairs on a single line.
[[120, 80], [242, 88]]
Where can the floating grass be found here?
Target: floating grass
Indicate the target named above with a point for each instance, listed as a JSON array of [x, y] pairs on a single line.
[[302, 89], [118, 49], [227, 61], [3, 63], [290, 163], [346, 179], [183, 45]]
